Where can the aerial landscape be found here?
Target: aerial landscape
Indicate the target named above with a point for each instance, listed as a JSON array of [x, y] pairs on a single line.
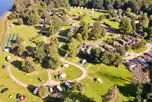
[[75, 51]]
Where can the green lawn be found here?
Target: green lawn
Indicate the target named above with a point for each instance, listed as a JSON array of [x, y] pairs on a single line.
[[113, 24], [13, 87], [26, 32], [110, 76], [90, 17], [27, 78], [71, 73]]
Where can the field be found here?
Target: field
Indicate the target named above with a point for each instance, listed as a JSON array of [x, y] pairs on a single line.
[[110, 76], [71, 73], [13, 87]]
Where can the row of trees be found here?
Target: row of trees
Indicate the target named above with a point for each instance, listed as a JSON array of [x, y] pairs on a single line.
[[32, 11], [44, 54], [135, 5]]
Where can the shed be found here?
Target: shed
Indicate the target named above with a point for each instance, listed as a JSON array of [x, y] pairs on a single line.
[[6, 49], [8, 58], [84, 61], [62, 76], [51, 90], [65, 65]]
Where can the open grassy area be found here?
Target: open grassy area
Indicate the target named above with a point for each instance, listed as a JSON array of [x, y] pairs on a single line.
[[90, 16], [113, 24], [110, 76], [71, 73], [13, 87], [31, 79], [26, 32]]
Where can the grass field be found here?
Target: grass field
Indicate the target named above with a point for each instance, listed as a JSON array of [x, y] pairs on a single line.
[[27, 78], [13, 87], [71, 73], [110, 76]]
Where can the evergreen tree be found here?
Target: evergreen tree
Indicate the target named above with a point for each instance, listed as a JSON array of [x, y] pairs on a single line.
[[145, 20], [125, 26]]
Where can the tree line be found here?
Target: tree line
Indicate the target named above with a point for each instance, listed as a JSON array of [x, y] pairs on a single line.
[[135, 5]]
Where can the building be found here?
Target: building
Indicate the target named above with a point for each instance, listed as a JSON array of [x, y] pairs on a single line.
[[148, 58], [131, 65], [62, 76], [109, 48], [142, 61]]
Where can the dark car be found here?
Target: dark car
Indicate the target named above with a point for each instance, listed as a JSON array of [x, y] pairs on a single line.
[[4, 90]]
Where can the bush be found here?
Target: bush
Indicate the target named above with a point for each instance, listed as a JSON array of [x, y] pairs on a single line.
[[43, 91]]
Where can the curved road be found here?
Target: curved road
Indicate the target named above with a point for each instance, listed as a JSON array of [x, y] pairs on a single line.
[[14, 78], [50, 82], [84, 71]]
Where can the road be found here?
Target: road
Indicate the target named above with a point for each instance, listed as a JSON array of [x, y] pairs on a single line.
[[14, 78], [133, 54], [84, 71]]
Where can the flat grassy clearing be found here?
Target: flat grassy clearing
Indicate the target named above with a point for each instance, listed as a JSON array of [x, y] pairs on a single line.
[[90, 16], [13, 87], [26, 32], [113, 24], [71, 73], [110, 76], [27, 78]]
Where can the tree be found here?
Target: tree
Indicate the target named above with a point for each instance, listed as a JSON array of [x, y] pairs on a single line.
[[109, 58], [133, 24], [139, 93], [79, 37], [55, 25], [19, 46], [52, 51], [84, 30], [39, 53], [101, 17], [78, 86], [128, 11], [43, 91], [125, 26], [20, 21], [28, 65], [145, 20], [73, 47], [97, 31], [112, 95]]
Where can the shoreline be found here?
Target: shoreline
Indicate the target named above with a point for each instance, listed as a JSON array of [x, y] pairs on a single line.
[[3, 26]]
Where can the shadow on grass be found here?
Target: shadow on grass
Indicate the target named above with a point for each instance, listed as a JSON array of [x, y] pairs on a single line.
[[129, 90], [17, 64], [53, 99], [64, 32], [114, 78], [77, 95], [63, 40], [62, 52]]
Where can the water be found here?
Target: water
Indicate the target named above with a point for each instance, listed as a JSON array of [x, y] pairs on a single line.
[[5, 5]]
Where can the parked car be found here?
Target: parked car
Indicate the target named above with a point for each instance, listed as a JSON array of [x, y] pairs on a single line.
[[4, 90], [36, 90]]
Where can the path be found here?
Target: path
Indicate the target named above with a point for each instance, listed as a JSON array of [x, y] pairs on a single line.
[[133, 54], [13, 78], [50, 82], [84, 71]]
